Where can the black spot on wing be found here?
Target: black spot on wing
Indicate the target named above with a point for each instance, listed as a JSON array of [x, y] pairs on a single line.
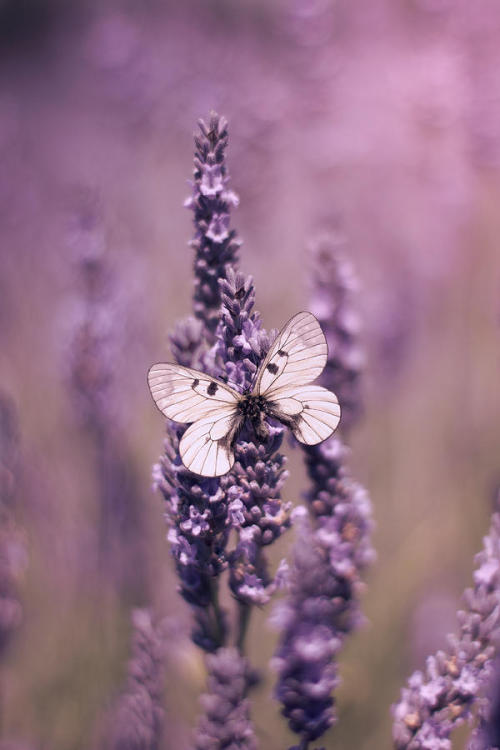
[[195, 384], [212, 389], [282, 353], [273, 369]]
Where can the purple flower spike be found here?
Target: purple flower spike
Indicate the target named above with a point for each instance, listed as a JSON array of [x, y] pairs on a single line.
[[258, 474], [137, 721], [12, 543], [333, 546], [444, 695], [333, 286], [226, 723], [92, 357], [215, 245], [201, 512], [332, 550], [486, 734], [197, 514], [197, 508]]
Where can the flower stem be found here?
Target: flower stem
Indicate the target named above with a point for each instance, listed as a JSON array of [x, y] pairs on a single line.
[[244, 612], [219, 627]]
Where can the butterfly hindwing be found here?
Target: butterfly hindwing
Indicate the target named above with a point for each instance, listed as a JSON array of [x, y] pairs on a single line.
[[311, 411], [298, 355], [206, 446], [186, 395]]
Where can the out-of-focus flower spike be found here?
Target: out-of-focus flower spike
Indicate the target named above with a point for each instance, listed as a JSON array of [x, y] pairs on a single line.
[[136, 723], [445, 694], [188, 341], [92, 359], [333, 549], [226, 721], [486, 734], [334, 540], [92, 350], [12, 542], [333, 288]]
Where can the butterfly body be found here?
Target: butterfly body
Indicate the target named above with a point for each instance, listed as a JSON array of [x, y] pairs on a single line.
[[255, 408], [283, 390]]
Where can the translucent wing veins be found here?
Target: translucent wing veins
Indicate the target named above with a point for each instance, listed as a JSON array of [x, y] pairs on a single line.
[[298, 355]]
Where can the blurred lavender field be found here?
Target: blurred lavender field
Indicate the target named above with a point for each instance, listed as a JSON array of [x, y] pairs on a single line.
[[377, 123]]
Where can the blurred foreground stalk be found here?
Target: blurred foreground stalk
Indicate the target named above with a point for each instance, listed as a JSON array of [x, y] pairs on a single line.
[[95, 356], [13, 555], [454, 681]]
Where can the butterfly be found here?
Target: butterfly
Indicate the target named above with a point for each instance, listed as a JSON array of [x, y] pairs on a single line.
[[282, 390]]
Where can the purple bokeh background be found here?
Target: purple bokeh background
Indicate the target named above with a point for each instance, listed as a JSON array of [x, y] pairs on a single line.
[[379, 120]]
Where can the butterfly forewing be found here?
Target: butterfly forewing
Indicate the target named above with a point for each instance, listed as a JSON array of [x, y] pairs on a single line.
[[186, 395], [311, 411], [298, 355]]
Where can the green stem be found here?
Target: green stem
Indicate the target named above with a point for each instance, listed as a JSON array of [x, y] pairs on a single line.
[[219, 632], [244, 612]]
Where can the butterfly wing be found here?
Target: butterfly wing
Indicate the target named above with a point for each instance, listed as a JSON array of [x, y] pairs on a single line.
[[298, 355], [296, 358], [206, 446], [311, 411], [186, 395]]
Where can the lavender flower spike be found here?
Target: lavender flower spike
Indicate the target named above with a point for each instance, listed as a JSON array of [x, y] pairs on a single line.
[[333, 284], [331, 552], [486, 734], [445, 694], [137, 721], [254, 486], [333, 547], [226, 724], [215, 244], [196, 508], [12, 543], [201, 512]]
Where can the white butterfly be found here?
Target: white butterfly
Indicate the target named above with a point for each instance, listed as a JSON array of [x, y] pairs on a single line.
[[282, 390]]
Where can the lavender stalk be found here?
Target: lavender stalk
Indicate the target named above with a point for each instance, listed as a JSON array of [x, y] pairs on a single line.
[[333, 546], [333, 285], [137, 721], [226, 340], [445, 694], [332, 551], [486, 734], [201, 512], [196, 508], [215, 244], [94, 356], [12, 548], [226, 722]]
